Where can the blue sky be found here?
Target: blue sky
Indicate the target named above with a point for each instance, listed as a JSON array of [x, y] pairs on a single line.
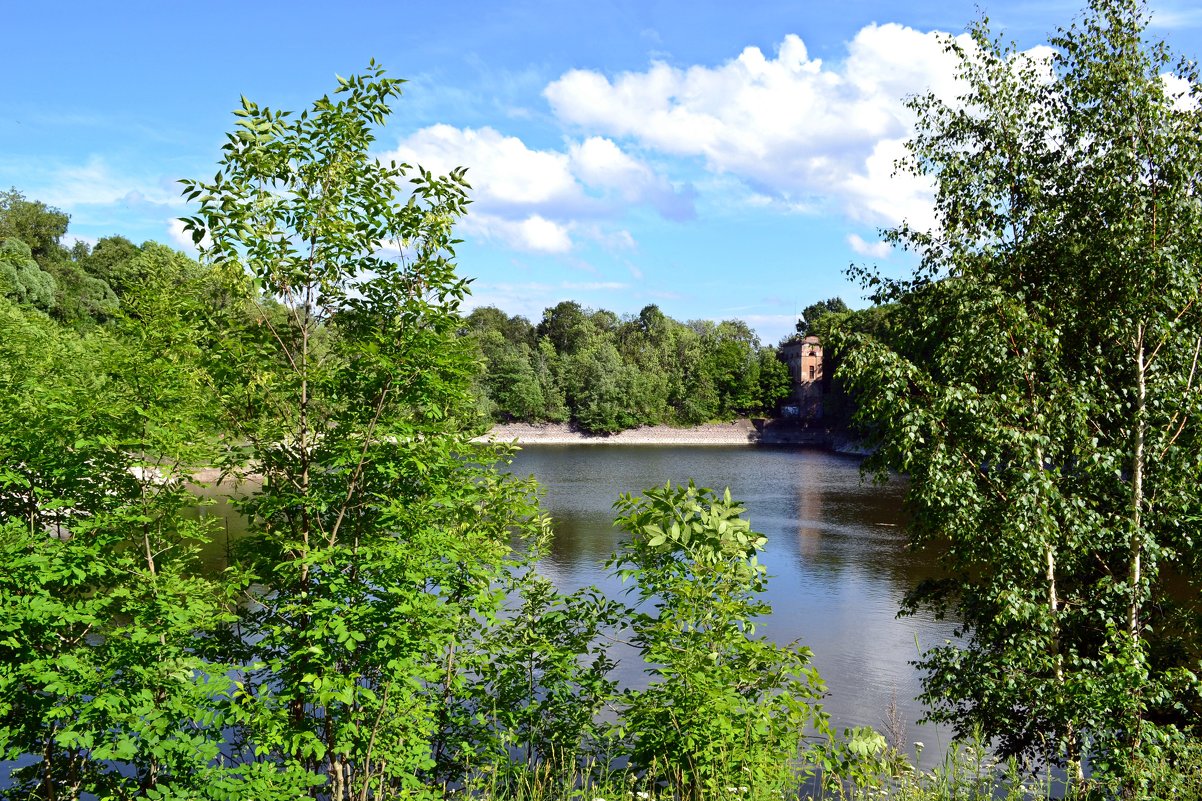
[[718, 160]]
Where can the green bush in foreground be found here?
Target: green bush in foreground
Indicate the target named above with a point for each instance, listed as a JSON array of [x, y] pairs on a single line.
[[725, 709]]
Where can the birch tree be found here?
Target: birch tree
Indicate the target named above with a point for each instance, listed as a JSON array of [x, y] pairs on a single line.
[[1044, 394]]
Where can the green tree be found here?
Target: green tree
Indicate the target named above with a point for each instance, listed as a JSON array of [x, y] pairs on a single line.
[[722, 703], [39, 226], [567, 325], [80, 300], [733, 366], [774, 380], [604, 390], [1042, 393], [813, 315], [380, 534], [21, 279], [512, 382], [105, 689], [109, 261]]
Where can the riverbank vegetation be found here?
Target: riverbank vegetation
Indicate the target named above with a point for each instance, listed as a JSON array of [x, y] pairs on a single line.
[[385, 631]]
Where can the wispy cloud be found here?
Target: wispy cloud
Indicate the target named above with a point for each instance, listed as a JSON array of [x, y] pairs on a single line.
[[876, 250], [594, 286], [95, 183], [1172, 16]]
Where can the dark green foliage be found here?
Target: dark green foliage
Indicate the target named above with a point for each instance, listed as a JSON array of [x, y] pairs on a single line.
[[39, 226], [81, 300], [605, 390], [611, 374], [773, 381], [814, 314], [567, 326], [112, 261]]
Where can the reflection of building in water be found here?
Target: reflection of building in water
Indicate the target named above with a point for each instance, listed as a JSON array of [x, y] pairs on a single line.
[[804, 358], [810, 485]]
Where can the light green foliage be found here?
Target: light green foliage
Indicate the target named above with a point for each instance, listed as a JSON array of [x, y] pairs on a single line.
[[545, 685], [722, 703], [103, 689], [1043, 392], [21, 279], [381, 537]]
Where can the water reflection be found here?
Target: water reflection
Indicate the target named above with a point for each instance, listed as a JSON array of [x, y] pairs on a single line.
[[836, 554]]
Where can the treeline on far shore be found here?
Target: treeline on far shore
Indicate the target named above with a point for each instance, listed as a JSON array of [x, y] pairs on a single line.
[[591, 367], [607, 373]]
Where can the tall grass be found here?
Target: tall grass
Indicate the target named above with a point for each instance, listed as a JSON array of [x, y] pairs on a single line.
[[968, 772]]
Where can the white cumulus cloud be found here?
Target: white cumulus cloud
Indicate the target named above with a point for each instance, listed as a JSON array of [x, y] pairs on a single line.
[[534, 199], [532, 233], [503, 171], [183, 238], [793, 128]]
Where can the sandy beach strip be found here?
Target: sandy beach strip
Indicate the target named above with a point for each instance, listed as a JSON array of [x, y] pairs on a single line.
[[739, 432]]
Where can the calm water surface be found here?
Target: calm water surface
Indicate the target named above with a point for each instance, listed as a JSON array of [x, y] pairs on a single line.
[[836, 557]]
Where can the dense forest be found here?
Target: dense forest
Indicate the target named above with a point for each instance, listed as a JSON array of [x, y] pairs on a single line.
[[591, 367], [607, 373]]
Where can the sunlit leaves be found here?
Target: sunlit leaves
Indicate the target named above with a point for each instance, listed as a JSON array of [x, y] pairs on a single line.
[[1040, 388]]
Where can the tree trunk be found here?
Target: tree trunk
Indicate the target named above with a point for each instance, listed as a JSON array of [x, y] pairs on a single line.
[[1134, 575]]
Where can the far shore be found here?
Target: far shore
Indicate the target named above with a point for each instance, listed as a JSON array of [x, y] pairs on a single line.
[[738, 432]]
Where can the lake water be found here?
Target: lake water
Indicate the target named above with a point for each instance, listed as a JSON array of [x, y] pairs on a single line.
[[836, 557]]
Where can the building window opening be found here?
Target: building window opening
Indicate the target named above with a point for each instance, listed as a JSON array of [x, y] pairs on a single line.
[[811, 372]]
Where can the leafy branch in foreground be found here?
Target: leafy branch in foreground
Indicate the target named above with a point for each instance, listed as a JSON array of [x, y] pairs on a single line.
[[722, 703], [379, 529]]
